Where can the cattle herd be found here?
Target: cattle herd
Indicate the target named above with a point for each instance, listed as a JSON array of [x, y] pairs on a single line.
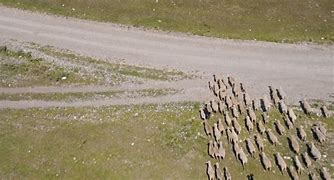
[[236, 113]]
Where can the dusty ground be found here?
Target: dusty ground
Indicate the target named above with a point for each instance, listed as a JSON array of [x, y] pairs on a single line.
[[302, 70]]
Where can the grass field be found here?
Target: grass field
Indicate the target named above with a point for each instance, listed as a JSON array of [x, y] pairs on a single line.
[[277, 21], [126, 142], [119, 142]]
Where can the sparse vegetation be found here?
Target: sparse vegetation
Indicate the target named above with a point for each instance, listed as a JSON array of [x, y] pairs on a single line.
[[118, 69], [318, 103], [21, 69], [278, 21], [62, 67]]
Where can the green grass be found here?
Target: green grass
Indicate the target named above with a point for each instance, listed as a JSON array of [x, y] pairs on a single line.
[[21, 69], [278, 21], [82, 96], [125, 142], [120, 142]]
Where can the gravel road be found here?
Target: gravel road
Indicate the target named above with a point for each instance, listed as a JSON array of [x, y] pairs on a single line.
[[302, 70], [24, 104]]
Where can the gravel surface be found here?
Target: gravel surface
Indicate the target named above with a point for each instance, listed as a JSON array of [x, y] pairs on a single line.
[[180, 97], [302, 70], [182, 84]]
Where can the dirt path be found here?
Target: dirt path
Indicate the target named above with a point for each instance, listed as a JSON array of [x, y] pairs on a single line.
[[182, 84], [190, 91], [302, 70], [188, 95]]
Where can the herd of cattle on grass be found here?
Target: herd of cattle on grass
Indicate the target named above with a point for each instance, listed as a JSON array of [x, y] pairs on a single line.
[[237, 112]]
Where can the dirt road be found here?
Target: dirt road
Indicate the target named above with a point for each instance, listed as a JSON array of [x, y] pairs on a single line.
[[302, 70], [187, 93]]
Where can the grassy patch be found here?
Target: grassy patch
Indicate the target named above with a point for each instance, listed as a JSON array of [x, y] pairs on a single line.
[[82, 96], [278, 21], [127, 142], [21, 69], [120, 142]]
